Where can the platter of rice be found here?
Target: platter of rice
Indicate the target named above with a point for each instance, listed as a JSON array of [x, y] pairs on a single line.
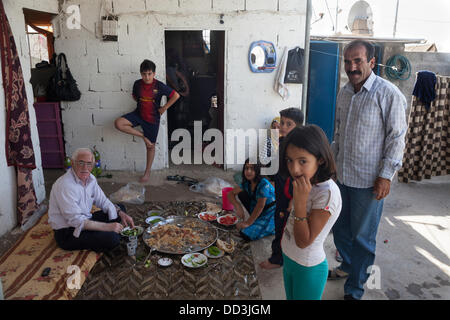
[[180, 235]]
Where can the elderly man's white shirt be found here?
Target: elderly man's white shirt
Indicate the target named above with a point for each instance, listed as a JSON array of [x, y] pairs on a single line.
[[71, 202]]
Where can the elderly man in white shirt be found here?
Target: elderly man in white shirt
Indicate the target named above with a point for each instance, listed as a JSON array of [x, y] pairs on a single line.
[[71, 200], [368, 145]]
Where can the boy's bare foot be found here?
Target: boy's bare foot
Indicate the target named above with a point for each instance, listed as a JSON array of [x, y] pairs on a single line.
[[144, 179], [268, 265]]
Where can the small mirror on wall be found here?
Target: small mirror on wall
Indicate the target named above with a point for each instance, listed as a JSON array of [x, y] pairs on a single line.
[[262, 56]]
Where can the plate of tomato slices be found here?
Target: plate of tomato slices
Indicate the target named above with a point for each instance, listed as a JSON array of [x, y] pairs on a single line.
[[227, 220], [207, 216]]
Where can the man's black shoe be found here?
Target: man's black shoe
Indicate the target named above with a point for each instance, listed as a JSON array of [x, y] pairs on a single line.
[[349, 297]]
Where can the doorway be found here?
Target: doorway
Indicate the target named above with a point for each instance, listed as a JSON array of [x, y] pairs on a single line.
[[39, 30], [195, 69]]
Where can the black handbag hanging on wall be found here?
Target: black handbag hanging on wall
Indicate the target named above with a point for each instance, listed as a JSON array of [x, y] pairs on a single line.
[[295, 66], [62, 86]]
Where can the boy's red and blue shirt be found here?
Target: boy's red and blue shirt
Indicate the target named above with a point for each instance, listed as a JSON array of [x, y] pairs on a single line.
[[148, 97]]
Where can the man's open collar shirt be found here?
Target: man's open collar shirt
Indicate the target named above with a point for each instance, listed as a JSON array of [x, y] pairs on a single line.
[[71, 202], [370, 132]]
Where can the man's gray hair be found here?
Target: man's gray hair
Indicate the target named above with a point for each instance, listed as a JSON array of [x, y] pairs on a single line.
[[79, 151]]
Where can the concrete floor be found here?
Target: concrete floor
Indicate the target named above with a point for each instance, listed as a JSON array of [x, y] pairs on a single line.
[[413, 243]]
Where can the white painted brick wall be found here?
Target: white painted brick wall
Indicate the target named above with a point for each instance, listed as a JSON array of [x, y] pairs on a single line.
[[228, 5], [295, 5], [271, 5], [114, 64], [101, 48], [107, 70], [195, 5], [105, 117], [118, 101], [165, 6], [128, 6], [75, 48], [89, 100], [104, 82]]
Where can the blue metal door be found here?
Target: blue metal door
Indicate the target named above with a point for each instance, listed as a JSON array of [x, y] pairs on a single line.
[[322, 85]]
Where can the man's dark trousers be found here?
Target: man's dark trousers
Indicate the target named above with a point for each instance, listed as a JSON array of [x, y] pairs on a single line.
[[98, 241]]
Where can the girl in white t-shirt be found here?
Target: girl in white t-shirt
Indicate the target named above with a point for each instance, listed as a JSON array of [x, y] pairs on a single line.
[[316, 206]]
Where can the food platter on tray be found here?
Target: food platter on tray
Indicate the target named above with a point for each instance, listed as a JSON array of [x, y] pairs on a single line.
[[180, 235]]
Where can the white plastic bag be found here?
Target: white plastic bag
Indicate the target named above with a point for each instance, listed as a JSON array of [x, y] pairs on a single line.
[[212, 186], [131, 193]]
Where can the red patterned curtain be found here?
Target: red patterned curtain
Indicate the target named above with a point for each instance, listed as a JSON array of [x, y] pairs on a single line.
[[19, 147]]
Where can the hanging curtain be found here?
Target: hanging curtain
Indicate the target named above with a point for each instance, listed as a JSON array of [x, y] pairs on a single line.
[[19, 147], [427, 151]]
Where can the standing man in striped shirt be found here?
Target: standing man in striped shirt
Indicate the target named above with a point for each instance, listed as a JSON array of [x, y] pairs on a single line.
[[368, 146]]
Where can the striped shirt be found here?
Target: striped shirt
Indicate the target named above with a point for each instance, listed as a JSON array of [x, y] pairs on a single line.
[[370, 132]]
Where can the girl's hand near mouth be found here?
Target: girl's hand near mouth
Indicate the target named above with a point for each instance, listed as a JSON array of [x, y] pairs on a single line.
[[302, 188]]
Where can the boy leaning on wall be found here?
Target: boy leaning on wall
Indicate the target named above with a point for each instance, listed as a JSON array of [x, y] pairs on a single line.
[[147, 92]]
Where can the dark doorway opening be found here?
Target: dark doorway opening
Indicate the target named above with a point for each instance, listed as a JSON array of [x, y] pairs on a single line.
[[195, 68], [39, 30]]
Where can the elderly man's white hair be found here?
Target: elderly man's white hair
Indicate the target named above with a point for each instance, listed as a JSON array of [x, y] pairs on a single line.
[[79, 151]]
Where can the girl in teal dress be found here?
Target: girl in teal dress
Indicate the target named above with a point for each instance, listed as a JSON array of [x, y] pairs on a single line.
[[257, 195]]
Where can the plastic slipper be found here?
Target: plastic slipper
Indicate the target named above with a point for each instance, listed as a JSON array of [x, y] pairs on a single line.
[[175, 178], [189, 181]]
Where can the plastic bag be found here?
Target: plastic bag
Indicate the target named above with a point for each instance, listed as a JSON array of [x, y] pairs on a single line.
[[295, 66], [212, 186], [131, 193]]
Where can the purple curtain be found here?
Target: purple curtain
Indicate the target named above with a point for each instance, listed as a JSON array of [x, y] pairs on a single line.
[[19, 147]]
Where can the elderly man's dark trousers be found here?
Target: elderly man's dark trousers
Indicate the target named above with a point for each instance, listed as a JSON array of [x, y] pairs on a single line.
[[98, 241]]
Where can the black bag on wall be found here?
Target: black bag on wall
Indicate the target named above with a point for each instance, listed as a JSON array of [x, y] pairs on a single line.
[[62, 86], [295, 66]]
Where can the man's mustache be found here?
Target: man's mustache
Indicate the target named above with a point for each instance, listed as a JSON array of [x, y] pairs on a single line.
[[354, 72]]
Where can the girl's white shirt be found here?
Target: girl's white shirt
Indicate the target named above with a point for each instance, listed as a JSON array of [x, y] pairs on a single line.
[[323, 196]]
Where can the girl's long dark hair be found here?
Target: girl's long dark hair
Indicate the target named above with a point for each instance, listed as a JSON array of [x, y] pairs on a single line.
[[256, 168], [312, 139]]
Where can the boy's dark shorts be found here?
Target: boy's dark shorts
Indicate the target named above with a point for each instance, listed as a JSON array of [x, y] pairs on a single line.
[[150, 129]]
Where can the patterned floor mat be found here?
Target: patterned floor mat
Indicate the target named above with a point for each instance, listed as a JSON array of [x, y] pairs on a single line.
[[119, 276]]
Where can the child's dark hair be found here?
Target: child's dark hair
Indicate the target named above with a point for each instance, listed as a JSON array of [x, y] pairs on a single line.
[[294, 114], [147, 65], [312, 139], [256, 168]]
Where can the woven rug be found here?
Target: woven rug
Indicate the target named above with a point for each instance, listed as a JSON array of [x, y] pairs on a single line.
[[119, 276], [21, 267]]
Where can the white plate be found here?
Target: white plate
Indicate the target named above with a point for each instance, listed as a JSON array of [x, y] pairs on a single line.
[[150, 220], [209, 255], [202, 214], [194, 260], [219, 220], [165, 262]]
